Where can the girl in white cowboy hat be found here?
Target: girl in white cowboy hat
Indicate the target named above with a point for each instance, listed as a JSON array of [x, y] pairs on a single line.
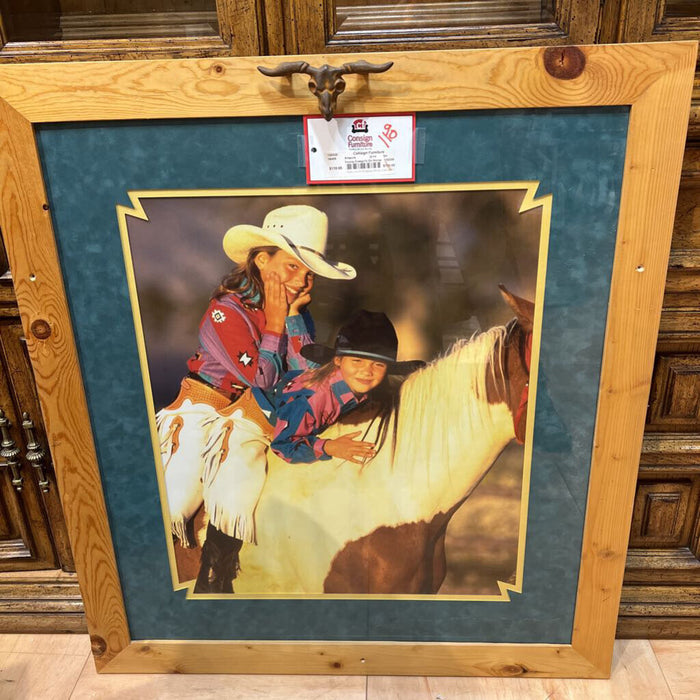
[[250, 335], [289, 418]]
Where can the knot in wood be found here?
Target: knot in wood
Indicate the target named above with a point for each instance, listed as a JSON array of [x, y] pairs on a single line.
[[511, 670], [564, 62], [41, 329], [99, 646]]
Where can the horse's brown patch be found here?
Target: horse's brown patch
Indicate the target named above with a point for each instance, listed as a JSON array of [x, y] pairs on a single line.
[[507, 381], [407, 558]]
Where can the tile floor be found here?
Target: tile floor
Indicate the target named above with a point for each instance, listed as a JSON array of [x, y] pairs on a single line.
[[48, 667]]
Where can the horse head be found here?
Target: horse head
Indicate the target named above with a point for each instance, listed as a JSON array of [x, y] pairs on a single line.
[[510, 378]]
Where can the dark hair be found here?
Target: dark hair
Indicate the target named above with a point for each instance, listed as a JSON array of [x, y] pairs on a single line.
[[245, 279], [382, 401]]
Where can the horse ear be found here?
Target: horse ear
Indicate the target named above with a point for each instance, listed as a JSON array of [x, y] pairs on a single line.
[[524, 309]]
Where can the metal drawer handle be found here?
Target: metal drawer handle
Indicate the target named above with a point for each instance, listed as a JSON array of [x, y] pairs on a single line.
[[327, 81], [10, 452], [35, 453]]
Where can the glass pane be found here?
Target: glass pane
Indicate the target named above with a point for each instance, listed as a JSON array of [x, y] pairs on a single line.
[[427, 17], [682, 8], [51, 20]]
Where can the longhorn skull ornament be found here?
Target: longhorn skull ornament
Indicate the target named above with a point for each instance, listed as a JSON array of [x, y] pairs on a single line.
[[327, 81]]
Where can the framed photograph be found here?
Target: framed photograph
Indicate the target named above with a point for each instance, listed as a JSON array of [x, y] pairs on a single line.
[[427, 259], [363, 428]]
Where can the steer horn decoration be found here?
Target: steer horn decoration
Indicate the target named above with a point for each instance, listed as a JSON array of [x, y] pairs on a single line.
[[327, 81]]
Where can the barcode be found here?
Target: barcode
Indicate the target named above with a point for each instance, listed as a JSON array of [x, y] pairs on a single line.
[[368, 165]]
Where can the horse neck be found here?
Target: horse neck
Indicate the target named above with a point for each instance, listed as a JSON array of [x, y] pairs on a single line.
[[448, 433]]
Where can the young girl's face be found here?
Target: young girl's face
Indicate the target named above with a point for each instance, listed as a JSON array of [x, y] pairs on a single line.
[[361, 374], [293, 274]]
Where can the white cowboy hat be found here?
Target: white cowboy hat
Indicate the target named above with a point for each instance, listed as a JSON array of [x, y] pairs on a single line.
[[298, 229]]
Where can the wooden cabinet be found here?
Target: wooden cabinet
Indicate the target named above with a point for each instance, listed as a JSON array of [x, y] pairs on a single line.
[[662, 582], [64, 30], [33, 536], [661, 595], [32, 530], [372, 25]]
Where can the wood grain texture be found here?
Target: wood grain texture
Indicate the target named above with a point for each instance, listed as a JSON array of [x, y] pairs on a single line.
[[110, 49], [654, 595], [403, 687], [273, 20], [638, 20], [32, 252], [671, 449], [39, 675], [92, 686], [680, 324], [17, 365], [43, 601], [676, 661], [650, 185], [674, 404], [635, 674], [239, 26], [356, 658], [63, 644], [663, 566], [656, 80], [305, 26], [659, 513], [226, 87], [58, 622], [25, 530], [375, 26], [578, 19], [633, 627]]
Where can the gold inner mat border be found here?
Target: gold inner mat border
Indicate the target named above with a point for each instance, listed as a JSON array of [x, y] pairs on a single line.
[[530, 201]]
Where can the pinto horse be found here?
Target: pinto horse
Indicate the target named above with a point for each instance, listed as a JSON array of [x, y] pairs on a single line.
[[335, 527]]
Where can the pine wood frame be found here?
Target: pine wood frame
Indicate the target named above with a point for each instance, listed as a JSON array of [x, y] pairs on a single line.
[[655, 80]]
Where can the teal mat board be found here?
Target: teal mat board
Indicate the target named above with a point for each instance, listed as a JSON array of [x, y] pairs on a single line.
[[578, 157]]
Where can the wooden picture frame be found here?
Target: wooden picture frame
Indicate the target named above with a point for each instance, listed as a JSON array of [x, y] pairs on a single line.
[[653, 80]]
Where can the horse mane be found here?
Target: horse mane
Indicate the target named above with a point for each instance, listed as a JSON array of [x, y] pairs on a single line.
[[439, 407], [443, 405]]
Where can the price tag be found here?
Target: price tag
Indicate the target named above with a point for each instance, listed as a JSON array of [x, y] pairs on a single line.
[[360, 148]]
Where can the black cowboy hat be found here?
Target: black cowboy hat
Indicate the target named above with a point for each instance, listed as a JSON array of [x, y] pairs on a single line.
[[367, 334]]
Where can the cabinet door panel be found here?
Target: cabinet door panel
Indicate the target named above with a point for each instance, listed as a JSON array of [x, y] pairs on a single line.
[[661, 20], [70, 30], [25, 539], [25, 399], [675, 394], [664, 513], [49, 20], [366, 25]]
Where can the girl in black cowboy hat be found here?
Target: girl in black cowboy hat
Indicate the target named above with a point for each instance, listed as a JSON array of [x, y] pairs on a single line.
[[289, 418]]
